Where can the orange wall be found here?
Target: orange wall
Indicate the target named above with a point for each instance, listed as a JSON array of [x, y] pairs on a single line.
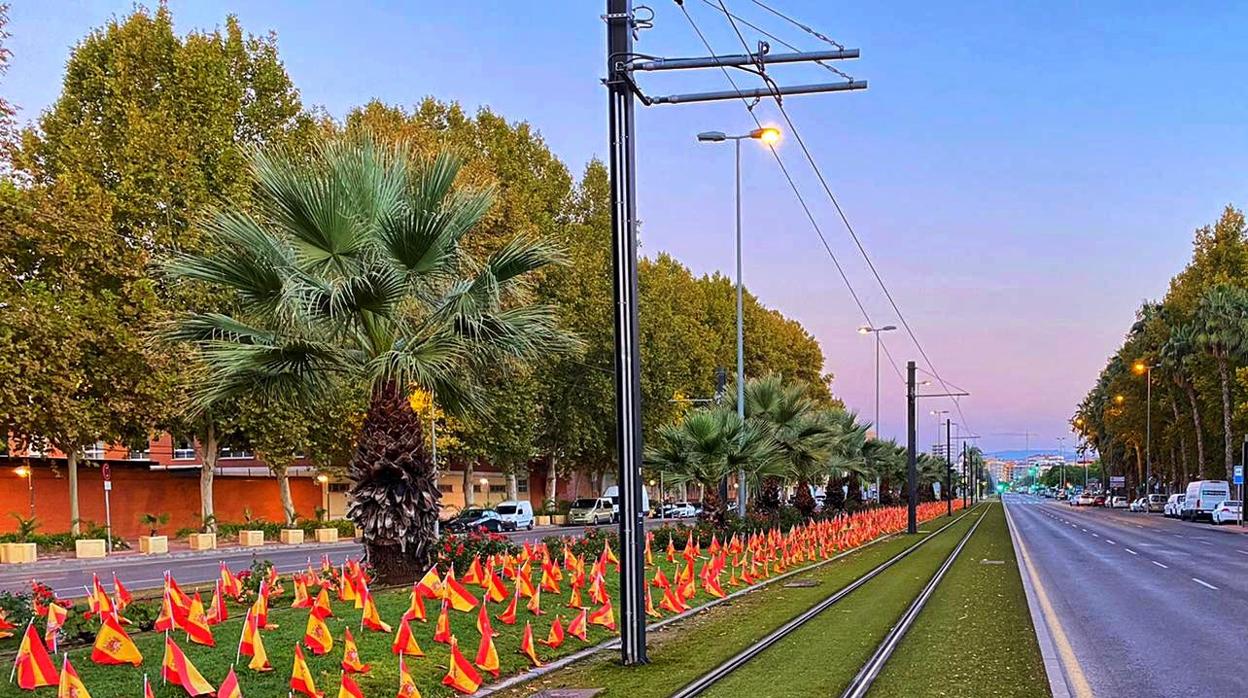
[[138, 490]]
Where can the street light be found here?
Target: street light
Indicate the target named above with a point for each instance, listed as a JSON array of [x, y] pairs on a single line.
[[1140, 368], [867, 329], [29, 476], [324, 480], [485, 489], [770, 136]]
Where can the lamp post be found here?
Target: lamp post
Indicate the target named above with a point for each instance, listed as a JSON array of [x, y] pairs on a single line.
[[324, 480], [867, 329], [28, 475], [485, 489], [770, 136], [1140, 368]]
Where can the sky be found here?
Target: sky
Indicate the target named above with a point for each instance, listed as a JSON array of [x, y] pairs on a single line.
[[1023, 175]]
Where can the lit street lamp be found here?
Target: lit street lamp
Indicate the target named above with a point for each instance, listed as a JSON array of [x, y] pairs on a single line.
[[324, 480], [1140, 368], [769, 136], [485, 489], [29, 476], [867, 329]]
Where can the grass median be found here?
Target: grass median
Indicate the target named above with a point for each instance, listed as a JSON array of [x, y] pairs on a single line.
[[975, 635], [683, 651]]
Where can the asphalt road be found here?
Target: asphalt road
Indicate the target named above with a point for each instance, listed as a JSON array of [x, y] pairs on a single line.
[[67, 577], [1151, 606]]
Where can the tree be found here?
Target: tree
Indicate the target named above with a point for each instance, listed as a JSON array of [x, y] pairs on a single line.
[[1222, 332], [350, 267], [804, 435], [151, 127], [706, 446]]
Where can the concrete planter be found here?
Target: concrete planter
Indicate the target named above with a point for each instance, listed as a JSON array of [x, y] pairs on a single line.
[[559, 519], [541, 520], [153, 545], [251, 539], [203, 541], [326, 535], [292, 536], [4, 553], [90, 548], [20, 553]]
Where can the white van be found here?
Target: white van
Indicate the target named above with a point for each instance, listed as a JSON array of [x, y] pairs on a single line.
[[518, 512], [613, 493], [1202, 497]]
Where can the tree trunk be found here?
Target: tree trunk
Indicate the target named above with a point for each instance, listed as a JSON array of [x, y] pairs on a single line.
[[283, 488], [210, 452], [855, 490], [714, 509], [71, 465], [1178, 424], [1200, 436], [395, 496], [834, 494], [513, 490], [470, 497], [552, 479], [803, 500], [1224, 375]]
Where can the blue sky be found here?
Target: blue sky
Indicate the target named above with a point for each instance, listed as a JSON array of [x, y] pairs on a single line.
[[1023, 174]]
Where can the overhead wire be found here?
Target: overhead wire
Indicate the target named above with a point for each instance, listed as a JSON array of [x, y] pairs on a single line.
[[822, 180], [777, 39]]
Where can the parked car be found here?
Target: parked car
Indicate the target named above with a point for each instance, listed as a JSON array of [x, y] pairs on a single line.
[[613, 493], [680, 510], [1084, 500], [1227, 511], [1173, 506], [1119, 502], [1157, 503], [591, 511], [519, 513], [472, 519], [1202, 497], [1140, 504], [1098, 500]]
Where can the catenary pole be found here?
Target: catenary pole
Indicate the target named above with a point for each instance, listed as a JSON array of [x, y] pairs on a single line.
[[912, 471]]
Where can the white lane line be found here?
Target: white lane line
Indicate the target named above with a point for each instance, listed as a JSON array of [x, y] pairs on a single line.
[[1160, 565], [1110, 542], [1205, 584], [1083, 529], [1131, 551], [1242, 552], [1097, 535]]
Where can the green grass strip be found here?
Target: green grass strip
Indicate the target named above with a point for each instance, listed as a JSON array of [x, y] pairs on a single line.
[[683, 651], [974, 636]]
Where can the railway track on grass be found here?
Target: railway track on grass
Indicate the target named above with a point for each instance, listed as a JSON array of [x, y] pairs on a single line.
[[706, 681]]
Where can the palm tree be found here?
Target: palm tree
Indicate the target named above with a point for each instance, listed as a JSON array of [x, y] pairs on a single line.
[[802, 432], [1222, 331], [708, 445], [846, 459], [347, 266], [887, 460], [1178, 356]]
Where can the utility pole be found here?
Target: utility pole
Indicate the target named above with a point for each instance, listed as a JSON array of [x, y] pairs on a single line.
[[948, 466], [966, 461], [912, 470], [622, 91]]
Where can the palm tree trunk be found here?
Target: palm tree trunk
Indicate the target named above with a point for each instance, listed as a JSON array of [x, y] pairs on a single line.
[[395, 496], [71, 465], [714, 509], [211, 450], [283, 489], [552, 479], [1200, 433], [1224, 375], [1178, 423], [470, 497], [802, 499]]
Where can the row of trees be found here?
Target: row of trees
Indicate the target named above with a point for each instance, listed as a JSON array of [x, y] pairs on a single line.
[[178, 188], [786, 438], [1193, 347]]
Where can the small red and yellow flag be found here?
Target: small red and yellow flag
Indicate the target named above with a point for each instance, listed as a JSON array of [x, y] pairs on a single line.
[[301, 677], [527, 646], [351, 655], [372, 618], [317, 637], [555, 638], [196, 624], [579, 627], [461, 599], [121, 595], [176, 669], [53, 623], [321, 607], [70, 686], [113, 645], [461, 675], [347, 688], [229, 687], [405, 642], [407, 686], [33, 666], [442, 631]]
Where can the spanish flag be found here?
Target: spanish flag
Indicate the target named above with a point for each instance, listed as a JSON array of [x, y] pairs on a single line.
[[495, 590], [230, 584], [483, 622], [487, 655], [555, 638], [301, 677], [321, 607], [527, 648], [113, 645], [416, 608], [260, 609], [508, 616], [535, 602], [351, 655], [405, 641], [348, 688], [147, 688], [166, 621], [98, 603], [317, 636], [217, 612], [33, 665], [579, 627], [461, 599], [407, 686], [55, 619], [461, 675], [302, 600], [121, 594], [442, 631], [473, 575], [196, 625], [229, 687], [371, 618], [178, 670], [6, 625], [346, 587], [70, 686], [650, 609], [178, 598], [430, 585]]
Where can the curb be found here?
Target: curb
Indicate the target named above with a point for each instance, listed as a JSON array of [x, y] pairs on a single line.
[[127, 560], [1048, 652]]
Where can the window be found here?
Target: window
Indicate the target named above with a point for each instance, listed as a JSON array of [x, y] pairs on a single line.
[[446, 489], [522, 484], [94, 452], [183, 449], [140, 452], [340, 487], [495, 489], [234, 451]]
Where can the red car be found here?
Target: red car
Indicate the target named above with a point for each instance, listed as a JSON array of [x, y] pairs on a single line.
[[1099, 501]]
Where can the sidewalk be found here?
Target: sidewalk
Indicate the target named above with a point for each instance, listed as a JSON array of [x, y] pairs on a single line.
[[125, 558]]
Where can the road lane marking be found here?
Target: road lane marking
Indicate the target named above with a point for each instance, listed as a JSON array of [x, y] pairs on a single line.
[[1131, 551], [1242, 552], [1160, 565], [1110, 542], [1203, 583], [1097, 535], [1083, 529], [1074, 672]]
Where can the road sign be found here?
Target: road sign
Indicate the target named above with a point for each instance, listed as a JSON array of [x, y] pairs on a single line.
[[1239, 475], [1117, 481], [106, 471]]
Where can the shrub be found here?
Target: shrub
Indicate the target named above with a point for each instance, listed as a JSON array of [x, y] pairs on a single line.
[[460, 549], [154, 521], [589, 545]]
